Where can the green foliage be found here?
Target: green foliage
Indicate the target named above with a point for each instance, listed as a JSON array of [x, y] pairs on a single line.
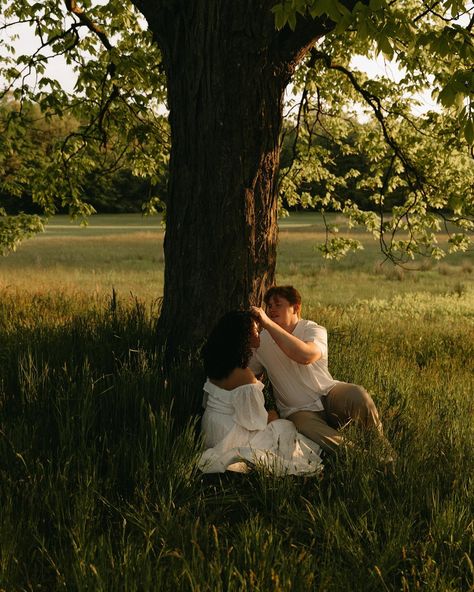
[[413, 172], [116, 119], [434, 41], [111, 123], [13, 229]]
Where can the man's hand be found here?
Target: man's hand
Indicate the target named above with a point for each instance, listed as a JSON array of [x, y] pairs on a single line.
[[263, 319], [302, 352]]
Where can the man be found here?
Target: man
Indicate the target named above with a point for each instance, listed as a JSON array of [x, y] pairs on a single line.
[[294, 353]]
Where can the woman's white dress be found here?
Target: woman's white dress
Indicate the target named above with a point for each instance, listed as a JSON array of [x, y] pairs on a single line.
[[235, 430]]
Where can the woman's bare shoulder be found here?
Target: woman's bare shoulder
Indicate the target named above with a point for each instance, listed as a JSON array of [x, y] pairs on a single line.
[[238, 377], [244, 376]]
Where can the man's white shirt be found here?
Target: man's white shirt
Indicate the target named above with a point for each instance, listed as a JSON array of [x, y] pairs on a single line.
[[297, 387]]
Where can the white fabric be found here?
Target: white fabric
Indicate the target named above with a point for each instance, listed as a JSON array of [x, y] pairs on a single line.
[[297, 387], [235, 430]]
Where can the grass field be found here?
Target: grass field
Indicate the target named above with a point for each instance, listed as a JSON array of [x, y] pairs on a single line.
[[98, 482], [125, 252]]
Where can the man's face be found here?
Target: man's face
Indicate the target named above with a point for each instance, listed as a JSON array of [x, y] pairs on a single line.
[[281, 311]]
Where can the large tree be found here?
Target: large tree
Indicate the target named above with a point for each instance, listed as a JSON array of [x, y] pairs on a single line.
[[222, 66]]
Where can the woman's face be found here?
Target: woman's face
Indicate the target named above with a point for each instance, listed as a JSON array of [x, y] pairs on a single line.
[[254, 336]]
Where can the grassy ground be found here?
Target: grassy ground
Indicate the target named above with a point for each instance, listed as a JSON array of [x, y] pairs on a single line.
[[98, 481], [125, 252]]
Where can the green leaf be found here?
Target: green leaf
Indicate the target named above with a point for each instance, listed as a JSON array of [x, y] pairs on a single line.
[[385, 46], [280, 16], [292, 21], [469, 132], [328, 7], [377, 4]]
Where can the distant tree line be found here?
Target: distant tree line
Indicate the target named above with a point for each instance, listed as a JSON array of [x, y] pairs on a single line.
[[108, 188], [115, 189]]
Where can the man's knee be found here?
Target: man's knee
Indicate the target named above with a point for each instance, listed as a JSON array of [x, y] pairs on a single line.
[[302, 419], [352, 401], [364, 408], [361, 398], [313, 425]]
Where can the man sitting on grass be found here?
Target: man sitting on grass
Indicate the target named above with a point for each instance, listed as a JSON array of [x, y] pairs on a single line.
[[294, 353]]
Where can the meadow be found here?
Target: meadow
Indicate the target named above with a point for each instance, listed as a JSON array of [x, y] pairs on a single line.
[[98, 482]]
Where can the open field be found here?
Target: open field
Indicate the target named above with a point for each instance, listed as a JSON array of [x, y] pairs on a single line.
[[98, 482], [125, 252]]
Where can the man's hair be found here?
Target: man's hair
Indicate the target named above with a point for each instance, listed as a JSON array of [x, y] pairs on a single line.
[[228, 345], [288, 292]]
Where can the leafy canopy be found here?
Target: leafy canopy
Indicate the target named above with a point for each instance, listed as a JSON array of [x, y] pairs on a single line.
[[116, 106], [417, 165]]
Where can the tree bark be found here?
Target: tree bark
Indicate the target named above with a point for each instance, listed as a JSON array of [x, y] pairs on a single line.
[[226, 79]]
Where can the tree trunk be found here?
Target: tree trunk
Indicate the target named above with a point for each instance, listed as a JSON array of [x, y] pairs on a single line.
[[226, 79], [225, 101]]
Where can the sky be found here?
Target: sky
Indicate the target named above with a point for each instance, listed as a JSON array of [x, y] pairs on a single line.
[[27, 43]]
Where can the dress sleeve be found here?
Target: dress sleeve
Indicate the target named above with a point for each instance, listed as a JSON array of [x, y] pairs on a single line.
[[319, 335], [249, 408]]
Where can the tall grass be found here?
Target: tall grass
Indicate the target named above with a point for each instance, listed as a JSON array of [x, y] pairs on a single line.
[[98, 482]]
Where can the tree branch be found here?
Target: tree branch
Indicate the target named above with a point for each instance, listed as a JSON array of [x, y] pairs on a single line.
[[72, 7], [292, 45], [414, 178], [29, 21], [374, 102], [85, 20]]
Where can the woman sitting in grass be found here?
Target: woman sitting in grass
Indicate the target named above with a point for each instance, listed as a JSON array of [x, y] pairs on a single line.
[[237, 429]]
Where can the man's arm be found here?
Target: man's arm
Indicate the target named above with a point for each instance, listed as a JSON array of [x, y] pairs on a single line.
[[303, 352]]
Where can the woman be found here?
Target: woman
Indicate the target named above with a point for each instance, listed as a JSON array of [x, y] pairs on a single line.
[[237, 428]]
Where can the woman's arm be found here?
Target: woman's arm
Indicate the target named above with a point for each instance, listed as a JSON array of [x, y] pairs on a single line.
[[272, 415]]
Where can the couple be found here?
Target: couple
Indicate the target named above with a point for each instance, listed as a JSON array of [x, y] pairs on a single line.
[[313, 406]]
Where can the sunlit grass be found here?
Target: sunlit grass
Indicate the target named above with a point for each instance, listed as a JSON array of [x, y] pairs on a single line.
[[98, 482]]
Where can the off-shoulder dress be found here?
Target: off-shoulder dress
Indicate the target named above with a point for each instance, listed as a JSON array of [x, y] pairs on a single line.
[[237, 435]]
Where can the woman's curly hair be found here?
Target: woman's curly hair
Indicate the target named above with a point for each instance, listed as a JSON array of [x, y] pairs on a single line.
[[228, 345]]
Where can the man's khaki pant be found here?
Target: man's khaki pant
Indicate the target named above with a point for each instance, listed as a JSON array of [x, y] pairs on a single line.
[[345, 402]]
